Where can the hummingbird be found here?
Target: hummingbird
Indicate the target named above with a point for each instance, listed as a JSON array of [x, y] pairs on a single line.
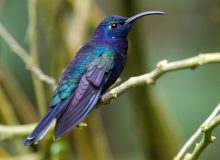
[[95, 67]]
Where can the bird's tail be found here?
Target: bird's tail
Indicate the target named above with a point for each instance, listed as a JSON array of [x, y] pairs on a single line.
[[45, 123], [42, 127]]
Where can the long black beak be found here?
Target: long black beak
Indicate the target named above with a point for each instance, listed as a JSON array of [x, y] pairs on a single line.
[[133, 18]]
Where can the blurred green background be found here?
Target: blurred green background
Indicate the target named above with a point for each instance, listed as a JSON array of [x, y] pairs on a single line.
[[147, 122]]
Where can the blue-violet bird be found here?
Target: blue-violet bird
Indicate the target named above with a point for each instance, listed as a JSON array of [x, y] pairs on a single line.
[[95, 67]]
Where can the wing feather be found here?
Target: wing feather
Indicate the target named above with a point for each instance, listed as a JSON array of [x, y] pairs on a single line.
[[85, 96]]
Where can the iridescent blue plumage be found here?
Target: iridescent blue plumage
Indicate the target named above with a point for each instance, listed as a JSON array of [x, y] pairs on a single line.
[[96, 66]]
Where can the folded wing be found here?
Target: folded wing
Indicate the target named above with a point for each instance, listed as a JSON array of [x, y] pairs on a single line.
[[86, 94]]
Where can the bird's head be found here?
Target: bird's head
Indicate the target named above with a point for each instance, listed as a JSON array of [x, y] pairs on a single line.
[[114, 27]]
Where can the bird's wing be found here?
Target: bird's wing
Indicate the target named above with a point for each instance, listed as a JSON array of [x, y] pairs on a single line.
[[86, 94], [64, 89]]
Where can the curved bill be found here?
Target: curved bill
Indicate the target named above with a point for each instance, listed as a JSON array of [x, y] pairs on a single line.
[[133, 18]]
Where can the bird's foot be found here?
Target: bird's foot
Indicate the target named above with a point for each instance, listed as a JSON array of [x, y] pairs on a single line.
[[82, 125]]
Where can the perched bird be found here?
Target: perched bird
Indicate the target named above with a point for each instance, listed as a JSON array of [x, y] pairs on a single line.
[[96, 66]]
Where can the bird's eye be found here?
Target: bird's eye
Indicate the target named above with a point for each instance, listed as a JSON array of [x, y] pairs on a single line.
[[113, 26]]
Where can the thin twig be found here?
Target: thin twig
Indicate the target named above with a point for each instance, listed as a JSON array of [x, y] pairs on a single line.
[[7, 132], [206, 140], [24, 55], [32, 156], [162, 67], [198, 132]]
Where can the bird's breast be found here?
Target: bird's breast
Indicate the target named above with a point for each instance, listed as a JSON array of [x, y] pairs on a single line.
[[119, 64]]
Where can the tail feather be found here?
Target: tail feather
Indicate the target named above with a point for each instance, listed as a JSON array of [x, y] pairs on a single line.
[[44, 125], [42, 128]]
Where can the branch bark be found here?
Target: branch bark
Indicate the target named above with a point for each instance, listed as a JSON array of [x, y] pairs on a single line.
[[206, 140], [207, 126], [7, 132], [162, 67]]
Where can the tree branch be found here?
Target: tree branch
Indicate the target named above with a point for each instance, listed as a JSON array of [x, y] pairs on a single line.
[[25, 57], [149, 78], [206, 140], [7, 132], [161, 68], [203, 128]]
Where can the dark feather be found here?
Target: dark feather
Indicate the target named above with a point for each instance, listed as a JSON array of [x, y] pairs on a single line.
[[85, 96], [43, 126], [82, 103]]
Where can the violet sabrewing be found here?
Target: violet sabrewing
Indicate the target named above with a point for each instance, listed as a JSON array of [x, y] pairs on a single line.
[[95, 67]]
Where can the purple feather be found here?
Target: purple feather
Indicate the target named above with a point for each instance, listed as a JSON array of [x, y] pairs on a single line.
[[83, 102]]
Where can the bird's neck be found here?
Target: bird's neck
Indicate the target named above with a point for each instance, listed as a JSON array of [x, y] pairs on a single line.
[[120, 45]]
